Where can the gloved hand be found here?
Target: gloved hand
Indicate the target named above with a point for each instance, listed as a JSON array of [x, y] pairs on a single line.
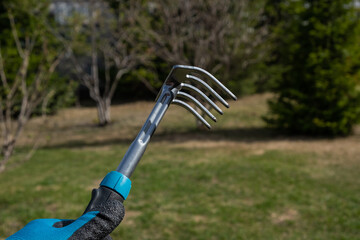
[[94, 225]]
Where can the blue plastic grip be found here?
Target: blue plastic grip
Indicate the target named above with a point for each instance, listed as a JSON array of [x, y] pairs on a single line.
[[118, 182]]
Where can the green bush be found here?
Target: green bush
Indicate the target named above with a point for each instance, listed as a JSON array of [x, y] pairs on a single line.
[[317, 48]]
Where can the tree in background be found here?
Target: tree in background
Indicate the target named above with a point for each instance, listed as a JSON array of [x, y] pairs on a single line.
[[220, 36], [317, 53], [28, 59], [104, 44]]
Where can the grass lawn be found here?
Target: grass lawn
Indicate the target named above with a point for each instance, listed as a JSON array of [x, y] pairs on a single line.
[[238, 181]]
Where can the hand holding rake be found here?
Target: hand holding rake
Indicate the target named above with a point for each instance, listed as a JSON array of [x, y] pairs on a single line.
[[106, 210]]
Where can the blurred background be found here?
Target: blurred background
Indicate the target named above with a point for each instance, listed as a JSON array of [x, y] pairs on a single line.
[[79, 78]]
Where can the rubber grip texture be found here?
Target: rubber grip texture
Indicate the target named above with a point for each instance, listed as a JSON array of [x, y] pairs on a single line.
[[111, 210]]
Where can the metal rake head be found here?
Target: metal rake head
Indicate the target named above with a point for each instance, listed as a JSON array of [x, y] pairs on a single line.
[[179, 80], [173, 89]]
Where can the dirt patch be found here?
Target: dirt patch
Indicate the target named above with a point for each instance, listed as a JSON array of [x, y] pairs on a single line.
[[130, 216], [199, 218], [95, 184], [329, 151], [11, 226], [287, 215], [53, 187], [52, 207], [194, 144]]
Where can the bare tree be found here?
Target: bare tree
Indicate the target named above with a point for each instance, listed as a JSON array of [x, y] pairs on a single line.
[[31, 91], [207, 33], [112, 46]]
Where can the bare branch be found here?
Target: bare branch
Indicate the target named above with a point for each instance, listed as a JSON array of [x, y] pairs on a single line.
[[55, 63], [44, 105], [119, 75], [2, 71], [2, 119], [32, 91], [147, 84], [107, 74], [94, 56], [15, 35]]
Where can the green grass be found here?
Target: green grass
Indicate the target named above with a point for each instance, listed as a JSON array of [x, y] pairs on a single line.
[[191, 190], [184, 193]]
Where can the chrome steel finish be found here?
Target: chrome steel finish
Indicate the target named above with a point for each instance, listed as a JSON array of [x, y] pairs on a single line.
[[215, 94], [191, 98], [172, 88], [192, 111], [206, 98], [138, 146]]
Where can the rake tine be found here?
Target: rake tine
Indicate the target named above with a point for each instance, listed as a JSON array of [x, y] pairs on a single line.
[[212, 91], [191, 110], [209, 75], [191, 98], [188, 86]]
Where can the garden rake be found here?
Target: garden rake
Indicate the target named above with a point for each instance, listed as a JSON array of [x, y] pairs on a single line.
[[116, 185]]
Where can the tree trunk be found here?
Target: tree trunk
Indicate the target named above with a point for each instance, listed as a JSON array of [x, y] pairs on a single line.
[[103, 107], [7, 150]]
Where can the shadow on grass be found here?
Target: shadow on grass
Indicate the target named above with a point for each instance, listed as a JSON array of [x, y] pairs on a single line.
[[245, 135], [89, 143]]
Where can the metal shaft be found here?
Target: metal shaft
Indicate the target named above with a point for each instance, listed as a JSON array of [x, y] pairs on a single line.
[[138, 146]]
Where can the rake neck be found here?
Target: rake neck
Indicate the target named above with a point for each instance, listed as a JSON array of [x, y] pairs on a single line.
[[138, 146]]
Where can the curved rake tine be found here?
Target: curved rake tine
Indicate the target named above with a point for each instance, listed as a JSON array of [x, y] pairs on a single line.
[[212, 91], [191, 110], [203, 95], [209, 75], [191, 98]]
